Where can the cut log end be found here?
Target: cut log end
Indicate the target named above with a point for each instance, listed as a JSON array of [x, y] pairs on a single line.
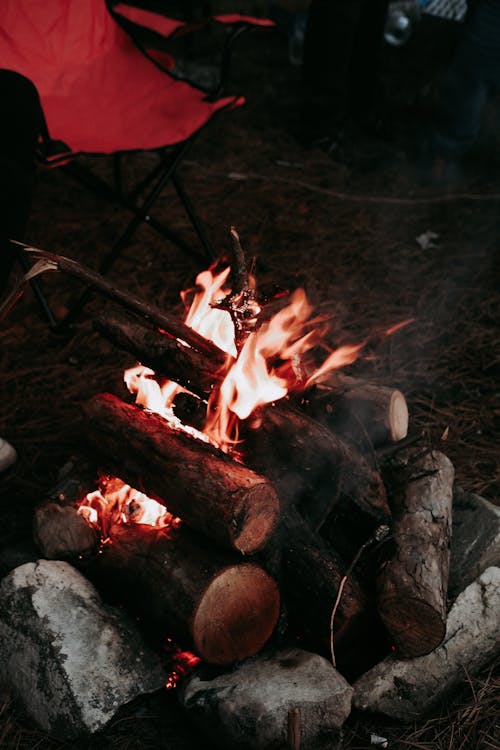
[[237, 614], [398, 416], [416, 628], [261, 517]]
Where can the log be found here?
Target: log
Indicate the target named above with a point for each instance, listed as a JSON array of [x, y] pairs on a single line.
[[367, 414], [61, 533], [413, 583], [314, 470], [204, 598], [312, 575], [211, 492], [302, 457], [166, 355]]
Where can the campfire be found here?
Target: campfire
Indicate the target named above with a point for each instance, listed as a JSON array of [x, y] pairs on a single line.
[[254, 501]]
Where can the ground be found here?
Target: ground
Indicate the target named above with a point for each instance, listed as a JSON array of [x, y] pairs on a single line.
[[369, 244]]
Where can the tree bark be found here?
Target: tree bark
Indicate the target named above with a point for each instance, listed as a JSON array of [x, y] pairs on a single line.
[[214, 494], [202, 597], [413, 584]]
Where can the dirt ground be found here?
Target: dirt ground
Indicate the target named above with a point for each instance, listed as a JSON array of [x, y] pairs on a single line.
[[368, 244]]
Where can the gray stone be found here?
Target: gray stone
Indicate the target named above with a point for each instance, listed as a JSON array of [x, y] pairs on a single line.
[[475, 542], [249, 708], [71, 661], [407, 689]]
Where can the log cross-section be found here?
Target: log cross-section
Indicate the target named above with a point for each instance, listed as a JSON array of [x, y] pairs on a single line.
[[211, 492], [209, 599]]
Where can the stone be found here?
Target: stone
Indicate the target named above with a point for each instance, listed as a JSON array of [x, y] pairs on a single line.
[[475, 541], [71, 661], [251, 707], [408, 689]]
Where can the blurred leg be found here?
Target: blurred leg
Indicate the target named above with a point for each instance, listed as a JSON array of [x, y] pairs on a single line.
[[20, 124], [328, 46], [468, 82], [365, 71]]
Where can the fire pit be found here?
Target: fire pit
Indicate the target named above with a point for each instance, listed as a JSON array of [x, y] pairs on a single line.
[[277, 502]]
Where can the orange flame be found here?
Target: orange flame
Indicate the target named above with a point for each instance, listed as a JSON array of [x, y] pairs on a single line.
[[117, 502], [215, 325], [255, 376]]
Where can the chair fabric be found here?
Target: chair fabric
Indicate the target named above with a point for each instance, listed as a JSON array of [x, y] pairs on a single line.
[[100, 94]]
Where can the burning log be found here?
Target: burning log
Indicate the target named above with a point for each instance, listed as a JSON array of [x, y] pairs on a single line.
[[166, 355], [412, 586], [302, 457], [211, 492], [367, 414], [224, 609]]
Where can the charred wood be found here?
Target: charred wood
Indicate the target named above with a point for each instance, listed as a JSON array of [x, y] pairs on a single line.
[[61, 533]]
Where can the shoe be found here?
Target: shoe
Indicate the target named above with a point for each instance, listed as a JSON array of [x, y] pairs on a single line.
[[8, 455]]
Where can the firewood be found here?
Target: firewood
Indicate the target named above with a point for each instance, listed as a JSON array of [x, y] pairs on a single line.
[[367, 414], [313, 469], [61, 533], [211, 492], [184, 587], [412, 585], [312, 573], [163, 353], [302, 457]]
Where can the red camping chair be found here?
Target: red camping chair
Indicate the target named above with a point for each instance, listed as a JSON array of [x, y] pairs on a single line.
[[102, 95]]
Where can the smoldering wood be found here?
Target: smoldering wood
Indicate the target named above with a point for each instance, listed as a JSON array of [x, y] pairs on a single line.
[[190, 409], [224, 608], [61, 533], [367, 414], [214, 494], [412, 586]]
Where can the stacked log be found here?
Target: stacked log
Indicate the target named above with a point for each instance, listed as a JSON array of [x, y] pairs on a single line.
[[294, 518]]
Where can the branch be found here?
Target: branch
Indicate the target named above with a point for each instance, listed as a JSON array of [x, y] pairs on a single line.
[[96, 281]]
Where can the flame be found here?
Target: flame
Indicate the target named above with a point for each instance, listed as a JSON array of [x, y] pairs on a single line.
[[265, 370], [116, 502], [215, 325]]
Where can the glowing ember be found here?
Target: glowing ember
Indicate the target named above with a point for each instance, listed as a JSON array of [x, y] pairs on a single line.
[[117, 502], [182, 663]]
